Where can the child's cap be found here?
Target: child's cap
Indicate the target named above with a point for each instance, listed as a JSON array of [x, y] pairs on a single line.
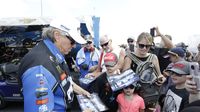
[[110, 59], [177, 51], [181, 67]]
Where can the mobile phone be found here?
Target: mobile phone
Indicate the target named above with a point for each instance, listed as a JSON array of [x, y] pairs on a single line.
[[152, 31], [194, 71]]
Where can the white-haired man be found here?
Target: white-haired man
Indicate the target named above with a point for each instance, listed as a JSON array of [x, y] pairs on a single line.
[[47, 85]]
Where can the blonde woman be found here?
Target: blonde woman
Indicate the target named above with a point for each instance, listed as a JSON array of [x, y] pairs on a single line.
[[143, 45]]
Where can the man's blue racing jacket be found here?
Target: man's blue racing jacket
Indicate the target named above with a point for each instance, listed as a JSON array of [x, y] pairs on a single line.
[[46, 83]]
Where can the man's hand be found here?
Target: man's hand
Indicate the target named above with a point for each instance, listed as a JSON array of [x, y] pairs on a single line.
[[89, 75], [86, 93]]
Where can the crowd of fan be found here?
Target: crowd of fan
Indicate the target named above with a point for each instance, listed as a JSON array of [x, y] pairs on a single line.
[[177, 91]]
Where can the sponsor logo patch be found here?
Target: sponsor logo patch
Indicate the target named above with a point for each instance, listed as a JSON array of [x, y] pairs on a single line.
[[42, 89], [43, 108], [39, 75], [41, 94], [63, 76], [43, 101]]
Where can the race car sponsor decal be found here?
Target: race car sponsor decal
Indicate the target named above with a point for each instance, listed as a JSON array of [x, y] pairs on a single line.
[[16, 95]]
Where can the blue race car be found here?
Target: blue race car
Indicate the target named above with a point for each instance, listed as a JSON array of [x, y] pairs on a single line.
[[9, 84]]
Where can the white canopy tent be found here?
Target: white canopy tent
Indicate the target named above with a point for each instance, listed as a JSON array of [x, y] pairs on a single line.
[[21, 21]]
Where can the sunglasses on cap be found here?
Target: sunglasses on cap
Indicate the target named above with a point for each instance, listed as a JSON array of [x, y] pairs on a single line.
[[106, 44], [71, 39], [141, 46], [131, 87]]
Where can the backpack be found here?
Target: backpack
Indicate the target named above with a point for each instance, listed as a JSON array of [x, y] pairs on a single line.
[[148, 76]]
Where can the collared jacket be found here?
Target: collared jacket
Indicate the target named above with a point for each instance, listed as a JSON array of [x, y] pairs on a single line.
[[45, 80], [87, 57]]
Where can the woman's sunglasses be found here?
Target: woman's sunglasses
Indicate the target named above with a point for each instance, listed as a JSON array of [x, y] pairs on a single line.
[[106, 44], [141, 46], [131, 87]]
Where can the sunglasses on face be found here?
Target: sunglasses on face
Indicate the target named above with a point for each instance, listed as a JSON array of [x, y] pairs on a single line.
[[89, 42], [106, 44], [71, 39], [130, 41], [131, 87], [109, 66], [141, 46]]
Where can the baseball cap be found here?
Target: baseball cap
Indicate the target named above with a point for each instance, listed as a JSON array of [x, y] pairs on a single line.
[[181, 44], [70, 26], [130, 39], [177, 51], [181, 67], [110, 59]]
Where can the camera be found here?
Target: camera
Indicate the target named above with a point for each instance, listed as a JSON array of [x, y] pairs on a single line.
[[194, 71], [84, 66], [152, 31]]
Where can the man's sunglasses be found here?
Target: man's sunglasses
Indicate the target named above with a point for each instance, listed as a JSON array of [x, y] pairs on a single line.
[[89, 42], [106, 44], [71, 39], [131, 87], [141, 46], [130, 41]]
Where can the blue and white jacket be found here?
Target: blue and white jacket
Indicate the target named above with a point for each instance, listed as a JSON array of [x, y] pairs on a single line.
[[46, 83]]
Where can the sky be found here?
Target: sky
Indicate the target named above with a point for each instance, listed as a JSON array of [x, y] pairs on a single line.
[[120, 19]]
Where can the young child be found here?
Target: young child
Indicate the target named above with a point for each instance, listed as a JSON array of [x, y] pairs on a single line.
[[130, 101], [102, 86], [177, 96]]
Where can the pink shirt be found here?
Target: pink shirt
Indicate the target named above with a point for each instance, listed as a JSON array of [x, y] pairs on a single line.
[[130, 106]]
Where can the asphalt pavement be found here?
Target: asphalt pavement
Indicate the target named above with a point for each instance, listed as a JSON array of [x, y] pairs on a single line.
[[13, 107], [18, 107]]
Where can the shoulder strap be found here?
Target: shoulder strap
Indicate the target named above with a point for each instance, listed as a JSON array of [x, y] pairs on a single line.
[[150, 58], [133, 57]]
